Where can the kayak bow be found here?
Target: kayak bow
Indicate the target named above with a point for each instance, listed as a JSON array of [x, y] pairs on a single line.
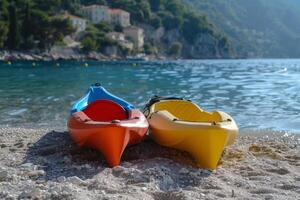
[[106, 123]]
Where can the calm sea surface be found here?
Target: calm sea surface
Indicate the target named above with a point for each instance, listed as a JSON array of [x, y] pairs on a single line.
[[259, 94]]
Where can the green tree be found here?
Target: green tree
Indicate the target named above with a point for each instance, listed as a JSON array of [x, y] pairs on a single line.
[[88, 2], [73, 6], [69, 4], [58, 29], [175, 49], [41, 23], [13, 39], [169, 21], [155, 21], [194, 25], [48, 30], [105, 41], [155, 4], [177, 9], [27, 42], [118, 28], [48, 6], [3, 8], [88, 44], [3, 35], [148, 49], [144, 6], [104, 27], [3, 22]]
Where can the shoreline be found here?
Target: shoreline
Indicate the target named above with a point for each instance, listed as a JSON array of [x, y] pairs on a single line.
[[68, 56], [43, 164], [6, 56], [74, 55]]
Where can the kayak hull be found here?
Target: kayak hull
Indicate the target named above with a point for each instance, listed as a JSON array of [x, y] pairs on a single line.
[[203, 135], [110, 138]]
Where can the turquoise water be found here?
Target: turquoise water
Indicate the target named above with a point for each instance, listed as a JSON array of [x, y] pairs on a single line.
[[259, 94]]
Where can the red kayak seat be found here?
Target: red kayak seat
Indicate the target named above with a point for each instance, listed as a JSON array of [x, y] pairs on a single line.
[[105, 110]]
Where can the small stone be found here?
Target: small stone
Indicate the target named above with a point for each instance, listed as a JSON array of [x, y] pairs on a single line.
[[183, 171], [76, 180], [27, 165], [127, 164], [41, 161], [4, 175], [35, 193], [205, 172], [36, 173], [19, 144], [9, 197], [144, 188], [61, 179], [32, 193], [269, 197], [221, 195], [87, 166], [168, 182], [232, 193], [66, 159], [103, 192], [12, 149], [3, 145], [202, 194], [117, 171]]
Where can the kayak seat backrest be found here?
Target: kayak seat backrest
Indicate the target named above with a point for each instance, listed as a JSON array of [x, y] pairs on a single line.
[[105, 110], [186, 110]]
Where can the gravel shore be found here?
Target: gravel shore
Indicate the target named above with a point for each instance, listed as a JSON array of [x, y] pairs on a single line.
[[45, 164]]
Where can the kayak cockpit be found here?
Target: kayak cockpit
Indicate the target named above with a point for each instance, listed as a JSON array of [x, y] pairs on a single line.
[[105, 110], [186, 111]]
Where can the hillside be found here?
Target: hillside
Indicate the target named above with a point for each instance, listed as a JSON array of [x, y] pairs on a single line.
[[257, 28], [171, 28]]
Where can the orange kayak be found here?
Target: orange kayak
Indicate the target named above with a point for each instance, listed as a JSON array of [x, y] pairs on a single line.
[[105, 125]]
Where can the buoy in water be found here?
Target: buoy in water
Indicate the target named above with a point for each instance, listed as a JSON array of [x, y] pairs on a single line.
[[8, 62], [33, 64], [86, 65], [57, 64]]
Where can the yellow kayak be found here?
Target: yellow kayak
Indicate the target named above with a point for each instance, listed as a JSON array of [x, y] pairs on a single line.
[[183, 125]]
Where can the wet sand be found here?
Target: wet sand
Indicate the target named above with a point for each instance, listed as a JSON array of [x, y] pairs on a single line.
[[45, 164]]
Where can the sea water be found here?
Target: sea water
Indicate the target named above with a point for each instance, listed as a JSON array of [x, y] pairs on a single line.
[[259, 94]]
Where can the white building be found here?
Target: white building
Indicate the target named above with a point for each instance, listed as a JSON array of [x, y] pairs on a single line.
[[119, 17], [78, 23], [97, 13], [136, 35]]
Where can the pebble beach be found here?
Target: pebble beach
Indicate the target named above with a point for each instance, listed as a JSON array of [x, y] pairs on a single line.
[[45, 164]]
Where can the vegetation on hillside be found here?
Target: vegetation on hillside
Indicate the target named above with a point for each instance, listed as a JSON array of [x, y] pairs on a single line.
[[170, 14], [32, 24], [257, 28]]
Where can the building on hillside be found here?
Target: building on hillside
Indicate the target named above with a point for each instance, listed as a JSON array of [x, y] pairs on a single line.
[[78, 23], [119, 17], [136, 35], [97, 13], [120, 38]]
